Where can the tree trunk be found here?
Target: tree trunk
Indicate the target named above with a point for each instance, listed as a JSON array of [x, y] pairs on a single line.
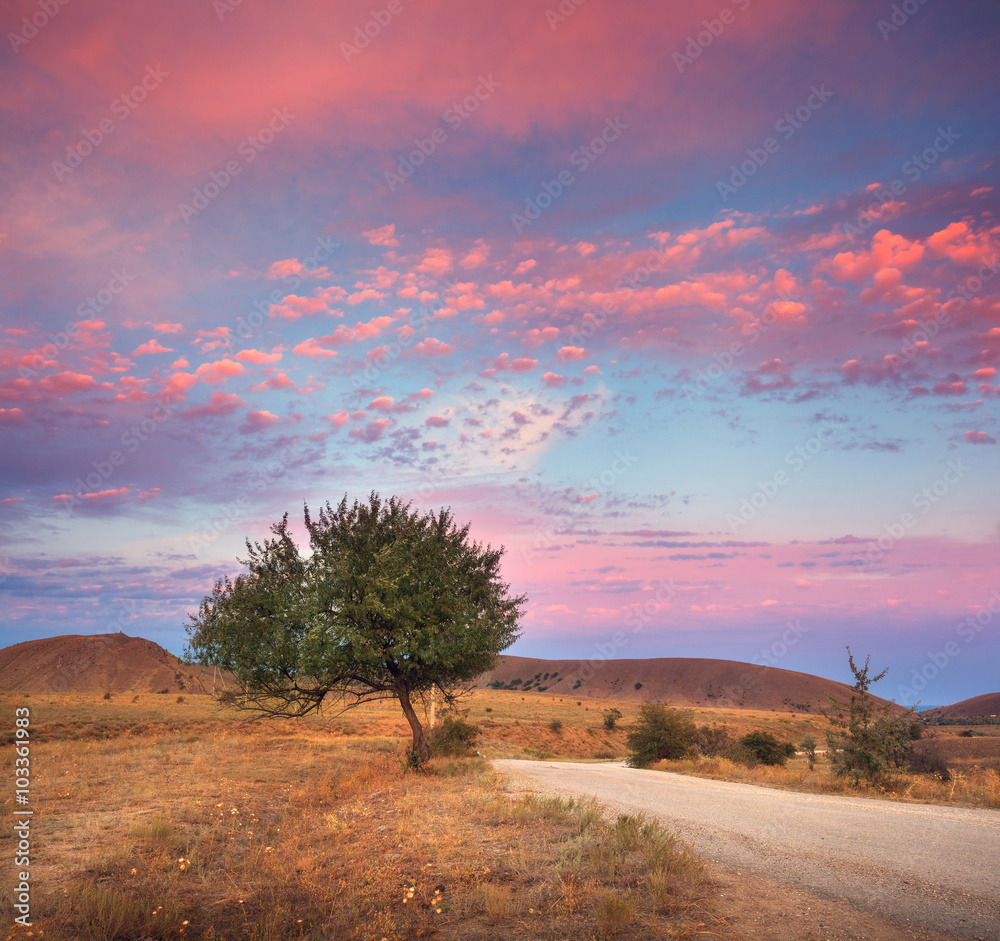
[[421, 747]]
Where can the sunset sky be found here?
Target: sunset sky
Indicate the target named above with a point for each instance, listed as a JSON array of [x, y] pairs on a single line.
[[694, 307]]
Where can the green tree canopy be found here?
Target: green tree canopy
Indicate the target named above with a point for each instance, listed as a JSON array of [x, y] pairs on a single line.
[[390, 603]]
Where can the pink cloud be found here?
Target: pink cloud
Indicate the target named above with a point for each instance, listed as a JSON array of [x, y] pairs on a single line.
[[979, 437], [437, 421], [432, 347], [219, 371], [553, 381], [476, 256], [312, 348], [11, 415], [436, 261], [149, 348], [293, 306], [522, 364], [571, 353], [280, 381], [168, 327], [219, 403], [373, 430], [384, 235], [179, 383], [256, 357], [257, 421], [337, 419], [66, 383]]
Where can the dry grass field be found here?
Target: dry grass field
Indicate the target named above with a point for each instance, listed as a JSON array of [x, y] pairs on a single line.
[[160, 819]]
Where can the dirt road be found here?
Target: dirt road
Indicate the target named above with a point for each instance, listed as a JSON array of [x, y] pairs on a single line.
[[927, 867]]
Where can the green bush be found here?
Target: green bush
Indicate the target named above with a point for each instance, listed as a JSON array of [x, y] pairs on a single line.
[[611, 717], [713, 740], [866, 740], [454, 737], [762, 748], [659, 733], [556, 725], [809, 747]]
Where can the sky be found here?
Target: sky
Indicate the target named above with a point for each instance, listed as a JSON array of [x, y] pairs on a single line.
[[693, 307]]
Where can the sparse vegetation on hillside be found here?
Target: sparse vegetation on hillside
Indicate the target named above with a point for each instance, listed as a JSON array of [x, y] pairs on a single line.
[[391, 604], [611, 717]]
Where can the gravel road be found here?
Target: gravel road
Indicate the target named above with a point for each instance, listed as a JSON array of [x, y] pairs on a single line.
[[933, 867]]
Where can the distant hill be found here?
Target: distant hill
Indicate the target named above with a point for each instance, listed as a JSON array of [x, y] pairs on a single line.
[[679, 681], [100, 663], [986, 705]]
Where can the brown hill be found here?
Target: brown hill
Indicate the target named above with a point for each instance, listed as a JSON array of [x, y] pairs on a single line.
[[101, 663], [679, 681], [986, 705]]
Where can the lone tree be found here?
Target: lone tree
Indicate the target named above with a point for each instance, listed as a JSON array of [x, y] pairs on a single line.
[[865, 740], [391, 604]]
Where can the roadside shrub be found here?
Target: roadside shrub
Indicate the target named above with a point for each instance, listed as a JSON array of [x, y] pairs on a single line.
[[556, 725], [866, 740], [808, 745], [713, 740], [611, 717], [928, 759], [659, 733], [764, 749], [454, 737]]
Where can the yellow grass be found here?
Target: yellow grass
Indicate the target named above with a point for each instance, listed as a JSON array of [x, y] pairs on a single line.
[[158, 819], [973, 787]]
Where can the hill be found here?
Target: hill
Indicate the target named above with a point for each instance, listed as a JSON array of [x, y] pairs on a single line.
[[679, 681], [100, 663], [986, 705]]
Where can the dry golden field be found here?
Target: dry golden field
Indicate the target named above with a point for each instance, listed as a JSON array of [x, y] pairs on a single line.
[[158, 818], [164, 819]]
